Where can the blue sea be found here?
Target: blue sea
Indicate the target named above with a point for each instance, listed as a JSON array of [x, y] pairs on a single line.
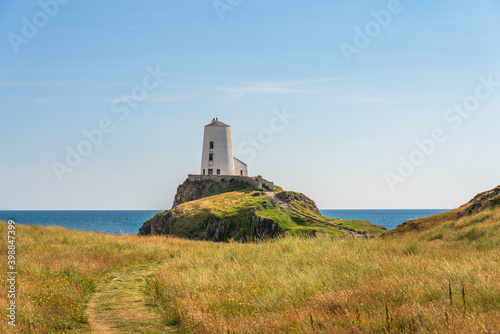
[[389, 219], [118, 222]]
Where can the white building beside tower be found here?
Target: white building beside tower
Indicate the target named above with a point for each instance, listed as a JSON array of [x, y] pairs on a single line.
[[217, 155]]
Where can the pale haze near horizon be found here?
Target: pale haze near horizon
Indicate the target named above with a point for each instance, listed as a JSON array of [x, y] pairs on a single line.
[[352, 120]]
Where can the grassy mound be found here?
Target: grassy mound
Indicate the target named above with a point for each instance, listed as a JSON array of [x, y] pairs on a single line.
[[471, 222], [246, 215]]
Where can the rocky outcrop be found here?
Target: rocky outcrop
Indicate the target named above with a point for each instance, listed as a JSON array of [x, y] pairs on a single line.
[[291, 197], [485, 200], [193, 190], [244, 224], [212, 228], [220, 208]]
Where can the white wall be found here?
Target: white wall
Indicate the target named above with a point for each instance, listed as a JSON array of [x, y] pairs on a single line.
[[222, 151], [240, 166]]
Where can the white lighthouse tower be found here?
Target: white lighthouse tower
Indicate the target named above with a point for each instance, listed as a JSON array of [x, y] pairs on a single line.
[[217, 156]]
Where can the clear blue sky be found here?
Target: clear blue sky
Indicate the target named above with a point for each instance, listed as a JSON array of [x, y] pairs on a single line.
[[353, 120]]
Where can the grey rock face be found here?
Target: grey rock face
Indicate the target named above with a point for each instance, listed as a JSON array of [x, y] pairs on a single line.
[[190, 191], [291, 197]]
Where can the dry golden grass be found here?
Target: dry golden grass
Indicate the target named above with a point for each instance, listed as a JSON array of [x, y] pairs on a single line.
[[406, 284], [58, 269], [442, 280]]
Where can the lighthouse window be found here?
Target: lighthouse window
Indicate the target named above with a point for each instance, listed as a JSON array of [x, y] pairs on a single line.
[[210, 171], [211, 145], [218, 171], [210, 157]]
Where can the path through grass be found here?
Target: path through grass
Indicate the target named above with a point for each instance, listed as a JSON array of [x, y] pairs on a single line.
[[119, 305]]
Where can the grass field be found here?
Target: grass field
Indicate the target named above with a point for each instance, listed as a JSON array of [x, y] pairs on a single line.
[[403, 284], [58, 270], [440, 280]]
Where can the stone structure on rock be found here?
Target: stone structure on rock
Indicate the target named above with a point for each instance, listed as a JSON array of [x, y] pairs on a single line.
[[199, 186]]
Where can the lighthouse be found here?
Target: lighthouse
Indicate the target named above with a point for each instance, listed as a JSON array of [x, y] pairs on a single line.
[[217, 154]]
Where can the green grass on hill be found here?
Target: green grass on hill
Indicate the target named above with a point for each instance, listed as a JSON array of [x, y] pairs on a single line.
[[237, 206], [480, 231], [481, 207]]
